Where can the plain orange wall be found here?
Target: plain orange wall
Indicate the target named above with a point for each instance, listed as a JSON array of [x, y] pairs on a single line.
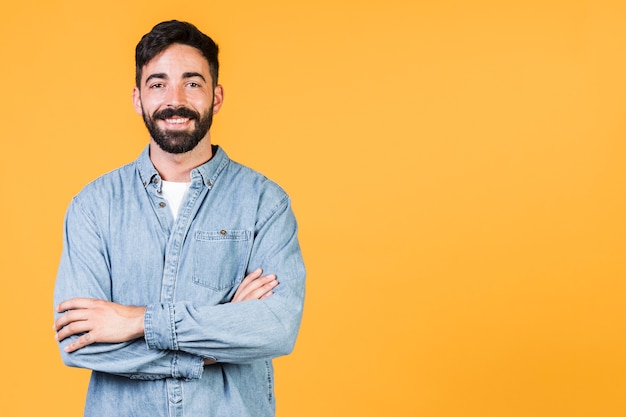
[[458, 170]]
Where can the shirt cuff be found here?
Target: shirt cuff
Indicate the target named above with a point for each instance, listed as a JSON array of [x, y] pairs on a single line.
[[159, 327], [187, 366], [160, 333]]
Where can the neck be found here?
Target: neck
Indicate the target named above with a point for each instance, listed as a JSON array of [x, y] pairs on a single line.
[[177, 167]]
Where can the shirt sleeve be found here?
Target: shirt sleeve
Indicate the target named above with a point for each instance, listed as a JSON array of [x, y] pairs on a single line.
[[243, 331], [84, 271]]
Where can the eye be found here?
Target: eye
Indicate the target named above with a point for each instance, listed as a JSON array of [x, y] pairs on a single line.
[[157, 85], [193, 84]]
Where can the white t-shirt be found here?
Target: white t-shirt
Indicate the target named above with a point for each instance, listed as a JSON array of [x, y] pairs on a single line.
[[174, 193]]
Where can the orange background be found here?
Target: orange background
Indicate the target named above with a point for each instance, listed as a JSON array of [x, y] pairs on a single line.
[[458, 170]]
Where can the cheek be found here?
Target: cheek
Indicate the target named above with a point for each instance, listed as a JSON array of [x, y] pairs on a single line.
[[200, 99], [146, 107]]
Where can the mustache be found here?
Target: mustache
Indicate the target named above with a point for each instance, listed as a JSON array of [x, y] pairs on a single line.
[[169, 112]]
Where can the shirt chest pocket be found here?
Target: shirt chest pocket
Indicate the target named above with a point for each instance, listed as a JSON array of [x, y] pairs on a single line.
[[220, 257]]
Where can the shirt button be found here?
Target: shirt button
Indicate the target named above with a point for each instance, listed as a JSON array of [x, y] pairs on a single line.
[[155, 180], [209, 184], [162, 204], [223, 232]]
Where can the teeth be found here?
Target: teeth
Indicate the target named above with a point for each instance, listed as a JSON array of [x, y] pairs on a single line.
[[176, 121]]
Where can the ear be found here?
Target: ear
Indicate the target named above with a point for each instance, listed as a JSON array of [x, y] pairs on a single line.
[[137, 101], [218, 98]]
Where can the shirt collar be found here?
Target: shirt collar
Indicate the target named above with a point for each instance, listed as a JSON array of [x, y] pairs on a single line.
[[207, 172]]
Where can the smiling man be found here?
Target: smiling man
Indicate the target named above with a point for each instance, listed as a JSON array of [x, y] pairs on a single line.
[[181, 275]]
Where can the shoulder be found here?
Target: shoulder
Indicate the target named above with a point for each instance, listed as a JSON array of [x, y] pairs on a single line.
[[246, 187], [107, 187], [250, 181]]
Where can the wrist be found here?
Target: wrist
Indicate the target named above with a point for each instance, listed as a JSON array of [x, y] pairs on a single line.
[[139, 327]]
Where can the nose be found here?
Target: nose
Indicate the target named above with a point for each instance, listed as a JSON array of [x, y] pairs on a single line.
[[176, 96]]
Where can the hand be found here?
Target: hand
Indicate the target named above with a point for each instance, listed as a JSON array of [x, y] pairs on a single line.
[[255, 287], [99, 320]]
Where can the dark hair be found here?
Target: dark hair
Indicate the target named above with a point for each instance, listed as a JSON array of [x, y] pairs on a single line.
[[165, 34]]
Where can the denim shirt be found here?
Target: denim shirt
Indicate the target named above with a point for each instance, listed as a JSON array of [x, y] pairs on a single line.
[[122, 244]]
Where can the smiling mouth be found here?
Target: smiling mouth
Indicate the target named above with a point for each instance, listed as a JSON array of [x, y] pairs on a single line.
[[176, 121]]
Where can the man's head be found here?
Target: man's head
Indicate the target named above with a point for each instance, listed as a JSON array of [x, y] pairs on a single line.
[[177, 91], [166, 34]]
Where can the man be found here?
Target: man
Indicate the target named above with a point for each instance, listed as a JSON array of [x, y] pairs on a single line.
[[161, 289]]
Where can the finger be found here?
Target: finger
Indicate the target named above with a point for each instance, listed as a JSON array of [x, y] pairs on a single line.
[[263, 290], [257, 283], [251, 277], [72, 329], [260, 290], [243, 287], [81, 342], [251, 291], [267, 295], [75, 303], [70, 317]]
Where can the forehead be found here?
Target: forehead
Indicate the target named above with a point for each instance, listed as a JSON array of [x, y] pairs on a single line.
[[176, 60]]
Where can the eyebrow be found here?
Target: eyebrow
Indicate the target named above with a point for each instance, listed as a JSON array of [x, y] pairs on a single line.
[[163, 76], [193, 74], [159, 75]]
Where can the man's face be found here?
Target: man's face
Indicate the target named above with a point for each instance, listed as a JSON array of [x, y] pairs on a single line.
[[176, 98]]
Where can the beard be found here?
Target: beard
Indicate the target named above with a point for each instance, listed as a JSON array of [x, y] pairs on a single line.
[[174, 141]]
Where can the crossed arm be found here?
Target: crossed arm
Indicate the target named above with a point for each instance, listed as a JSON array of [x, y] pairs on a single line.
[[108, 322]]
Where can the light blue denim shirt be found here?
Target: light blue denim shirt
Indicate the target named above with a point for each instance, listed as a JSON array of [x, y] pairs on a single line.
[[122, 244]]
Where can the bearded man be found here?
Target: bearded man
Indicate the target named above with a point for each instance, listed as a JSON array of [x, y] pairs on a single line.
[[181, 276]]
